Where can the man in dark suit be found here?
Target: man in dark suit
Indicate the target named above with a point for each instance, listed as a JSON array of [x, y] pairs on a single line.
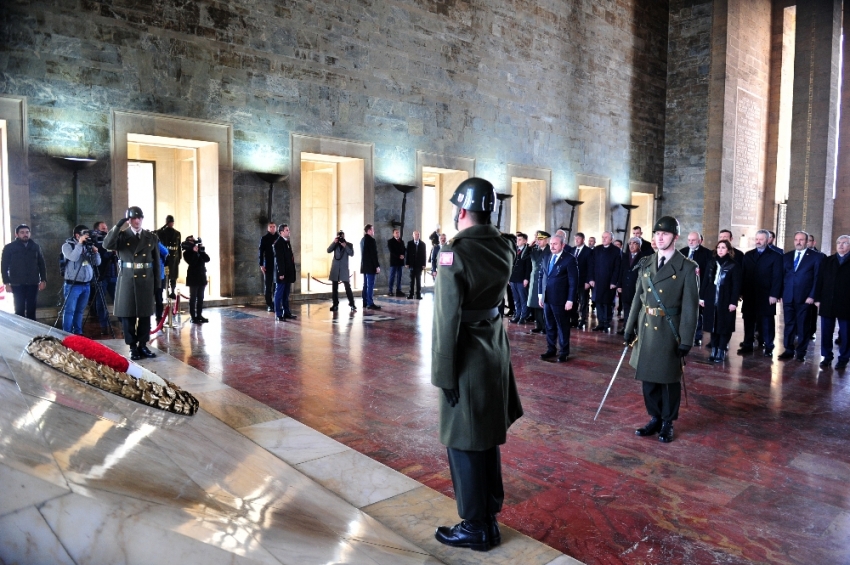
[[801, 271], [628, 275], [645, 246], [520, 277], [832, 298], [739, 255], [415, 259], [557, 281], [284, 268], [812, 315], [266, 257], [604, 267], [396, 248], [581, 252], [701, 256], [369, 266], [761, 289]]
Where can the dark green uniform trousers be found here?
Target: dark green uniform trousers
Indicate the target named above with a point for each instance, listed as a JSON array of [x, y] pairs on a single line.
[[477, 480]]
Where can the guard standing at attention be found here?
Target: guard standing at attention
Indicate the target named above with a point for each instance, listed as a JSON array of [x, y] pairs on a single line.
[[138, 278], [170, 238], [663, 317], [471, 362]]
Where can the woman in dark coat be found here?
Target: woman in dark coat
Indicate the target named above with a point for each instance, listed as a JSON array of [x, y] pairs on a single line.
[[196, 277], [719, 292]]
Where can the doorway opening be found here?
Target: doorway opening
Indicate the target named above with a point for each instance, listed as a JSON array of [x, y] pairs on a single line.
[[332, 199], [591, 214], [178, 177], [528, 206], [644, 214], [438, 186]]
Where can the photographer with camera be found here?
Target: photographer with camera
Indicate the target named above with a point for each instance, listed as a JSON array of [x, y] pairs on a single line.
[[81, 256], [196, 258], [342, 250]]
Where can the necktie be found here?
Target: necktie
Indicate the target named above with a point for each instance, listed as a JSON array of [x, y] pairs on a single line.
[[551, 264], [576, 253], [796, 260], [691, 255], [661, 263]]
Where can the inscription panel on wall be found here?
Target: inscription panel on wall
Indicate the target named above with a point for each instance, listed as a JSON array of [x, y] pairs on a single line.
[[746, 190]]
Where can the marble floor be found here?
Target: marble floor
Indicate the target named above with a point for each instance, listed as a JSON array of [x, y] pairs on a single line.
[[89, 477], [758, 472]]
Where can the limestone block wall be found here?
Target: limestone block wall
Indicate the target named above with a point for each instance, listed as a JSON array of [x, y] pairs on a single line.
[[575, 86]]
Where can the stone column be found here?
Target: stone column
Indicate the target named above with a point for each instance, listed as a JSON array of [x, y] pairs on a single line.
[[841, 213], [814, 124]]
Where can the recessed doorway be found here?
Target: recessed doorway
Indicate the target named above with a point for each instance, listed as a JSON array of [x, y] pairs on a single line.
[[528, 206], [438, 186], [177, 177], [643, 196], [592, 214], [332, 199]]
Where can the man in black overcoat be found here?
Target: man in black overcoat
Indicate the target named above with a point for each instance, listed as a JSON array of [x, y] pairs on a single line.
[[172, 241], [284, 269], [578, 315], [396, 248], [761, 289], [415, 259], [266, 257], [604, 276], [833, 300]]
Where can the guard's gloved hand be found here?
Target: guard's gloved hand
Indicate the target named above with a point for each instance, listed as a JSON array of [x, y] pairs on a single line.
[[683, 350], [630, 338], [121, 223], [452, 396]]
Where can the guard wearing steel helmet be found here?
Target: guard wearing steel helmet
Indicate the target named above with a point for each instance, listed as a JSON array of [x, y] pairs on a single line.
[[663, 318], [470, 361], [138, 270]]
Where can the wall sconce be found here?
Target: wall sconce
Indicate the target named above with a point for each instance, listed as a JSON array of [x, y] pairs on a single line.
[[405, 189], [271, 178], [76, 164], [501, 197]]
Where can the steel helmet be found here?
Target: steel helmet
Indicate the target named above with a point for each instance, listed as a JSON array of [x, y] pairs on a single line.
[[475, 195], [668, 224], [134, 212]]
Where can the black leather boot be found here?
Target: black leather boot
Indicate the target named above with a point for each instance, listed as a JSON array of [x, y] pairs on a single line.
[[713, 355], [493, 531], [721, 355], [651, 428], [469, 534], [666, 433]]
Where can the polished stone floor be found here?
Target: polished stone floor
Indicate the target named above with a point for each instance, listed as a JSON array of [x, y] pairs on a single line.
[[758, 472], [91, 478]]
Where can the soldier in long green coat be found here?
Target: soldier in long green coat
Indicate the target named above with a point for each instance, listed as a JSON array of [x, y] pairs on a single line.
[[660, 349], [470, 361], [138, 270]]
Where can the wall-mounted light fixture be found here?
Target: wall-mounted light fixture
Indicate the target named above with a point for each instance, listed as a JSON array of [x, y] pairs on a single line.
[[76, 164], [405, 189], [271, 178], [624, 231], [501, 197]]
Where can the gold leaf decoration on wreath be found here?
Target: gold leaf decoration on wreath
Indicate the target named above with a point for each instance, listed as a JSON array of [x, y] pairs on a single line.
[[171, 398]]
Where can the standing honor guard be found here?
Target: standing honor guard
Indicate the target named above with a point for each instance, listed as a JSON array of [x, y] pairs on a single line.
[[471, 362], [138, 278], [663, 318]]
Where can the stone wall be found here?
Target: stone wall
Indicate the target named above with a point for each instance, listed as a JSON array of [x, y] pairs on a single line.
[[577, 87]]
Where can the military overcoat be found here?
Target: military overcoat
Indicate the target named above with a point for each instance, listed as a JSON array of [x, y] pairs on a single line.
[[138, 271], [655, 354], [473, 357]]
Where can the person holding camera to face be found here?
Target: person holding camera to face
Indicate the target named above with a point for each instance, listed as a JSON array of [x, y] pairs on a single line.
[[342, 250], [81, 256], [196, 258]]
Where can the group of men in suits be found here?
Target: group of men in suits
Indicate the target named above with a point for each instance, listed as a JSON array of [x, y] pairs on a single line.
[[413, 256]]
